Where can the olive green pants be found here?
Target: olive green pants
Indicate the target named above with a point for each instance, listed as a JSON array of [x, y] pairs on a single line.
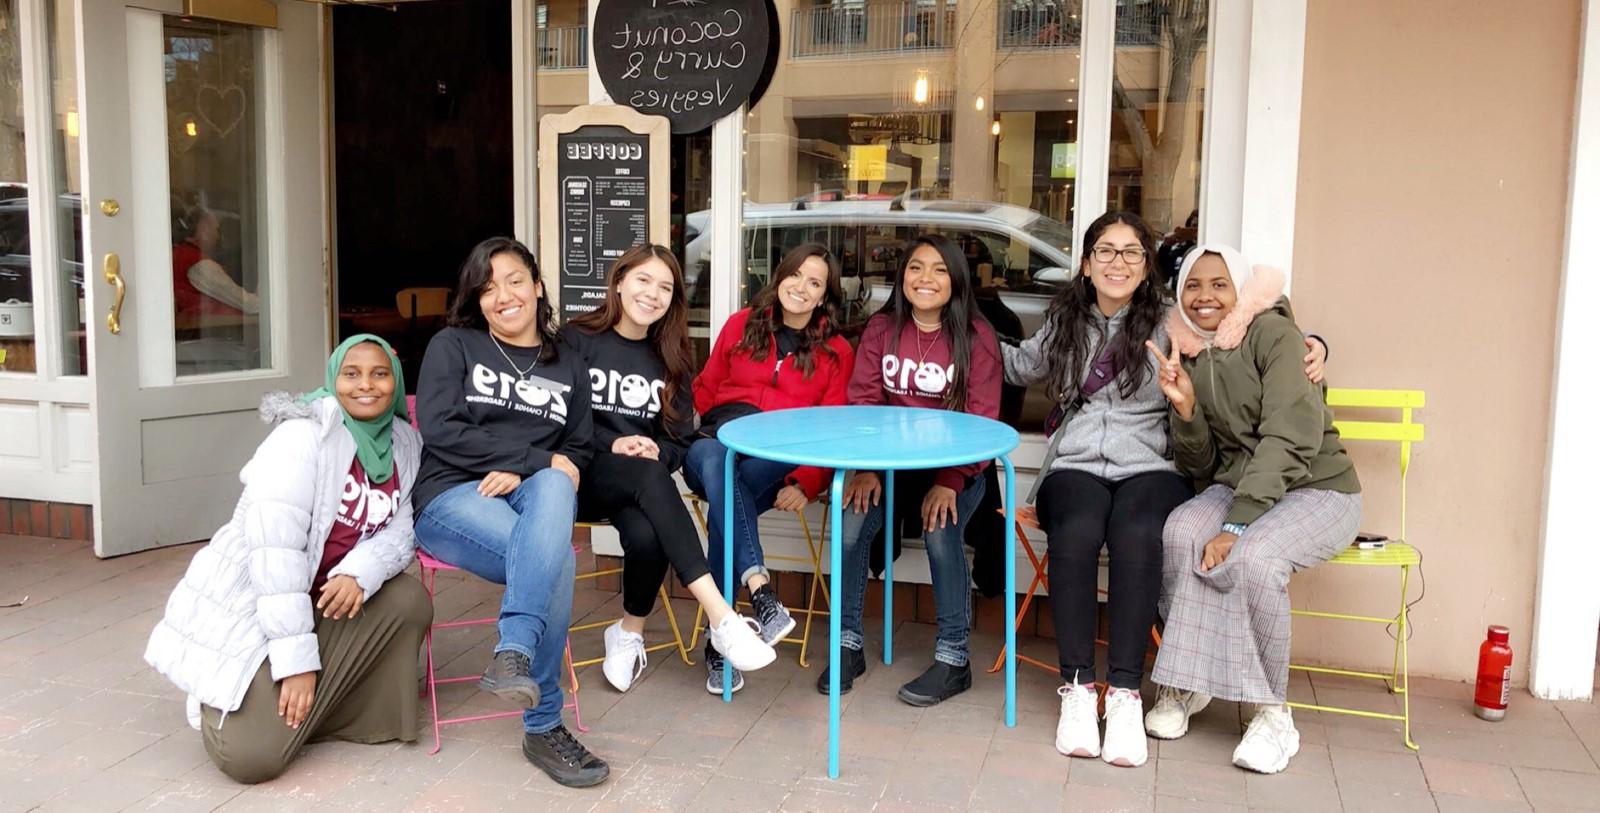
[[366, 691]]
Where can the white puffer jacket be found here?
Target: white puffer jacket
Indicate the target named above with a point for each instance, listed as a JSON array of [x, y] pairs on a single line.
[[247, 593]]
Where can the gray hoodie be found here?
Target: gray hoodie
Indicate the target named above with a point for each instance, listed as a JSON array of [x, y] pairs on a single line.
[[1107, 435]]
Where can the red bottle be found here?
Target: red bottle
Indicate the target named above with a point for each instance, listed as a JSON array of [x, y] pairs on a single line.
[[1494, 675]]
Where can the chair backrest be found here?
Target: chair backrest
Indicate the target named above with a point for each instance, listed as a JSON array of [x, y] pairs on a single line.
[[1403, 432], [422, 301]]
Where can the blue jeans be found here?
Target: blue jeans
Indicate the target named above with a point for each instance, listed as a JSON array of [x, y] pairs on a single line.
[[522, 540], [756, 485], [947, 562]]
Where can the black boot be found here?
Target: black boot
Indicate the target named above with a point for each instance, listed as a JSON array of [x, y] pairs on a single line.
[[855, 665], [507, 677], [940, 683]]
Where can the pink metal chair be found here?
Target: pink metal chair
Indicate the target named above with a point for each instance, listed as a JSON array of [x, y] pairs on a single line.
[[430, 571]]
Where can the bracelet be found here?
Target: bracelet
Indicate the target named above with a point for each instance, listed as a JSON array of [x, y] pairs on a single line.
[[1235, 528]]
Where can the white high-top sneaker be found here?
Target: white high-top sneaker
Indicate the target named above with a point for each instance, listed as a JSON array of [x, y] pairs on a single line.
[[1078, 732], [1269, 742], [1125, 745], [1169, 719]]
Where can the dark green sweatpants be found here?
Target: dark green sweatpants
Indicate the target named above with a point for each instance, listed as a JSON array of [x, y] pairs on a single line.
[[366, 691]]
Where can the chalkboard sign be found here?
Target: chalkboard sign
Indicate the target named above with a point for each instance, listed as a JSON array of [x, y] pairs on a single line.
[[603, 190], [693, 61]]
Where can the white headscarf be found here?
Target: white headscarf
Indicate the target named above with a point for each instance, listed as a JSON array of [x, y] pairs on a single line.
[[1237, 268]]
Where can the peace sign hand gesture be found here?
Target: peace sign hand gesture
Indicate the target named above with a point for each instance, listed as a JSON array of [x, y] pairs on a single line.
[[1174, 381]]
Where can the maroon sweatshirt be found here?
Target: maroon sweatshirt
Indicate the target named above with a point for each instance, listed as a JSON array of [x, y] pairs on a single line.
[[914, 369]]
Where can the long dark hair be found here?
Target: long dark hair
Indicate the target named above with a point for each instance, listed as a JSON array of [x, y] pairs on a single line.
[[1075, 340], [669, 334], [957, 318], [766, 311], [476, 273]]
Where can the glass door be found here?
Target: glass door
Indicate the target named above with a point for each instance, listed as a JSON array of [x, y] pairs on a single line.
[[206, 230]]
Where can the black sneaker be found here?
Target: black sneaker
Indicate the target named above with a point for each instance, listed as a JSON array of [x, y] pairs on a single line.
[[714, 672], [564, 759], [940, 683], [775, 620], [507, 677], [855, 665]]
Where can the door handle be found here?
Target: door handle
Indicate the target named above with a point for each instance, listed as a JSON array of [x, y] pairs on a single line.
[[113, 272]]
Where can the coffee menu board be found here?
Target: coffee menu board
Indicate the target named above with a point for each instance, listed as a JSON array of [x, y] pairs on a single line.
[[693, 61], [603, 177]]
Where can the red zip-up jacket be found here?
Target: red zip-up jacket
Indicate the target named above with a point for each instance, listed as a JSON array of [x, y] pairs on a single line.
[[773, 383]]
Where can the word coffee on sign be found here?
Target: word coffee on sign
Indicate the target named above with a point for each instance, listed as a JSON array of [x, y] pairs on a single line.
[[604, 177], [692, 61]]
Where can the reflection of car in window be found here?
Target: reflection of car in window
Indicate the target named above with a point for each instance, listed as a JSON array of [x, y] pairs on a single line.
[[1028, 254], [16, 261]]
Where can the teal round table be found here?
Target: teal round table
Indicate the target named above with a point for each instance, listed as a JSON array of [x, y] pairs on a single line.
[[874, 438]]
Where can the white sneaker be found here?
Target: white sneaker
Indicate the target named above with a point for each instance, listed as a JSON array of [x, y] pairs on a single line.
[[739, 640], [1169, 719], [1125, 743], [1078, 733], [1269, 742], [625, 657]]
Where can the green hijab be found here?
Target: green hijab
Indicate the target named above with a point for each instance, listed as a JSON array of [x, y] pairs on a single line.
[[374, 438]]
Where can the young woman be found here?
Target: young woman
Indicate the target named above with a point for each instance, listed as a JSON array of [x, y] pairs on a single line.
[[927, 347], [783, 351], [1109, 480], [294, 622], [506, 421], [637, 347], [1284, 496]]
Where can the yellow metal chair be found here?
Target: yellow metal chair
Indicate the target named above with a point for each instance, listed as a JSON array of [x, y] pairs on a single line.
[[1396, 553], [818, 583], [666, 604]]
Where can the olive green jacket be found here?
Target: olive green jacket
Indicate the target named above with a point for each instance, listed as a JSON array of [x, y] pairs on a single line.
[[1259, 426]]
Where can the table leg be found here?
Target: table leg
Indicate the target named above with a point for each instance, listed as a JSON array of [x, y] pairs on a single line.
[[729, 589], [835, 563], [1011, 593], [889, 531]]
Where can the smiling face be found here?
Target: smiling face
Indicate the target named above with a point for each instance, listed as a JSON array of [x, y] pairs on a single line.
[[926, 283], [645, 292], [1116, 281], [1208, 294], [365, 384], [802, 292], [510, 300]]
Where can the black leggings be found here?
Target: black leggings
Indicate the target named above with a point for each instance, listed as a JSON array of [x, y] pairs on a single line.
[[642, 502], [1082, 513]]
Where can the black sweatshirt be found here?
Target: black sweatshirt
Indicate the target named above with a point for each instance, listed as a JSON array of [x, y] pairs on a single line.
[[476, 417], [627, 380]]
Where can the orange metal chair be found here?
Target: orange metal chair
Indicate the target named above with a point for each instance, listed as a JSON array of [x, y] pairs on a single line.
[[1028, 519]]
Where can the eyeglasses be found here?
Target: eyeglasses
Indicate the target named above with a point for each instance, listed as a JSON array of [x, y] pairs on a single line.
[[1132, 255]]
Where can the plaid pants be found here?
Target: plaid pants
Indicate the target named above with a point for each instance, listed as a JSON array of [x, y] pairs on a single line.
[[1227, 632]]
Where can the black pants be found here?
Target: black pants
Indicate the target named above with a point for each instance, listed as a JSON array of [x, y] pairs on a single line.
[[642, 502], [1082, 513]]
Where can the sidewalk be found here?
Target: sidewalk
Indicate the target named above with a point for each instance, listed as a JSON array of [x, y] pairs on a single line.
[[85, 725]]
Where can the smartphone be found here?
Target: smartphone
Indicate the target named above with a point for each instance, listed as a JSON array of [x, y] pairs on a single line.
[[1369, 541]]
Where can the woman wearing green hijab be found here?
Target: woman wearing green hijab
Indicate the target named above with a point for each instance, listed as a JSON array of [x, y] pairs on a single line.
[[294, 622]]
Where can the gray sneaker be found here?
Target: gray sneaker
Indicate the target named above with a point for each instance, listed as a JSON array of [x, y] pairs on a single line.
[[507, 678], [713, 660], [775, 620]]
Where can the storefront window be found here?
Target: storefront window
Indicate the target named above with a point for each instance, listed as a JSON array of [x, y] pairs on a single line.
[[1158, 100], [16, 267], [68, 187], [887, 120], [218, 256]]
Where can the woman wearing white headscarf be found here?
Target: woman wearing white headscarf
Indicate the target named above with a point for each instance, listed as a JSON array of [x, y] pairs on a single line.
[[1284, 496]]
